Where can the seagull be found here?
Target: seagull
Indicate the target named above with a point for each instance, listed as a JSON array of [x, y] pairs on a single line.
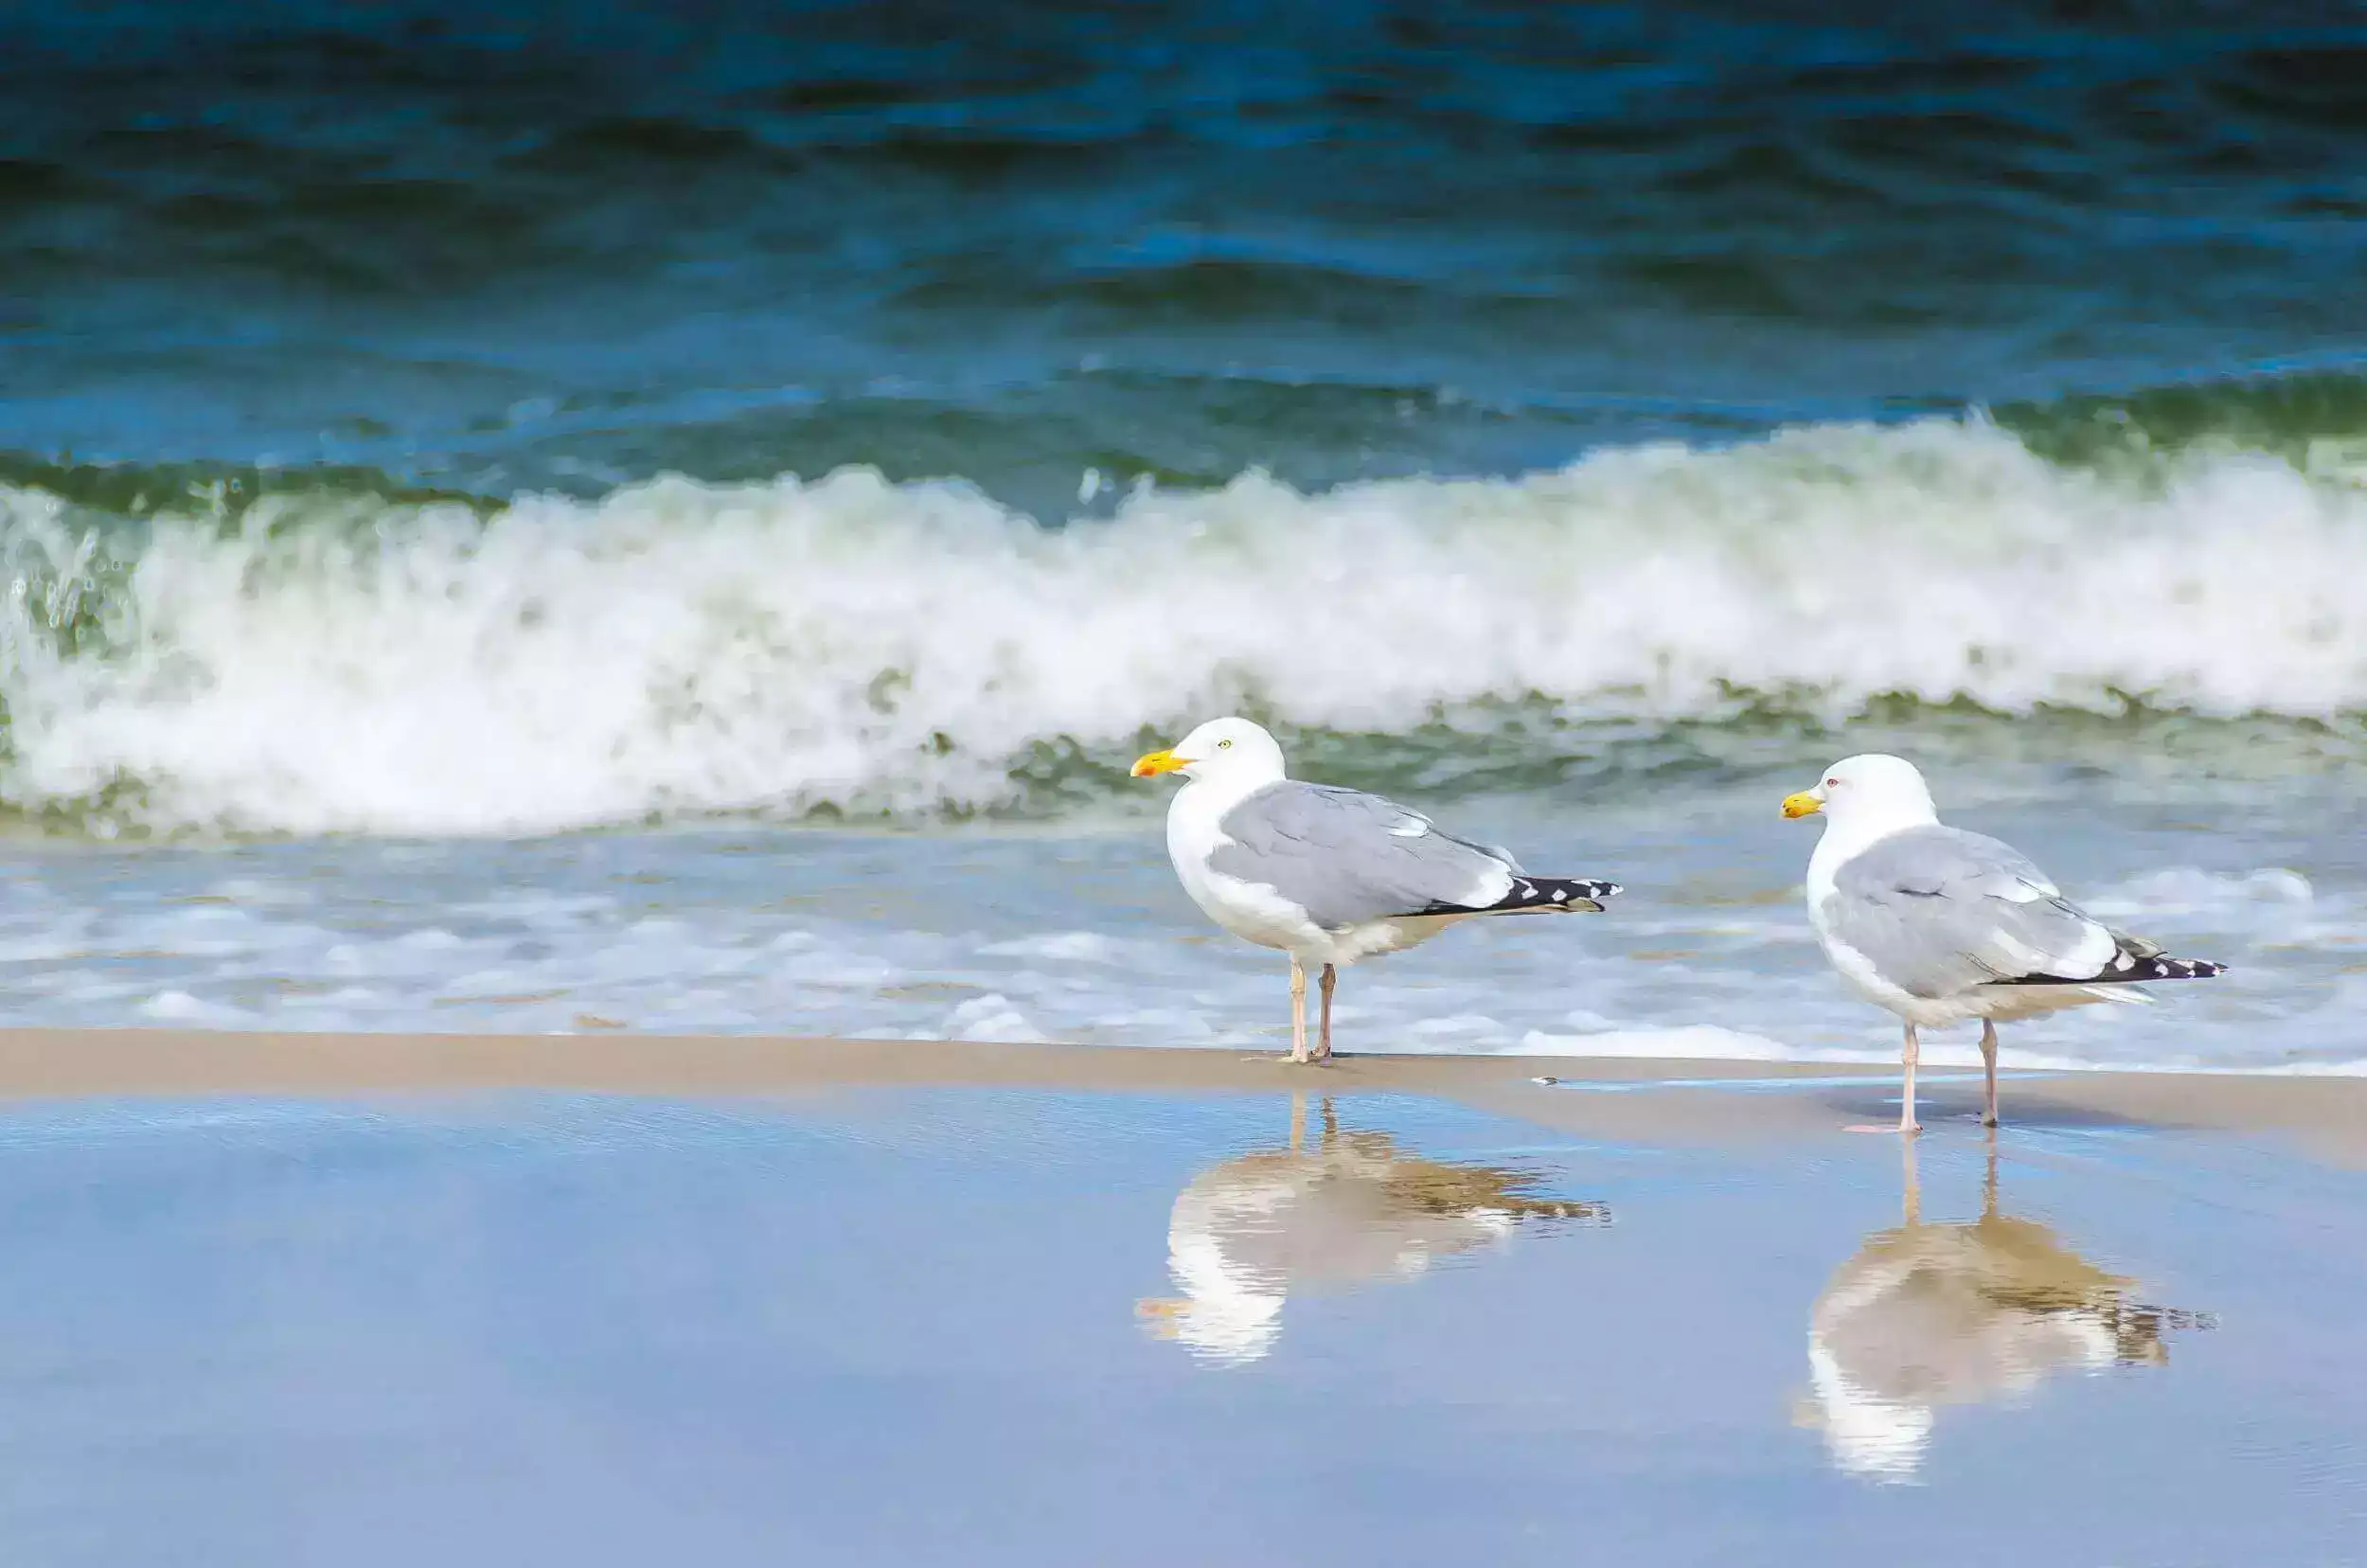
[[1941, 926], [1327, 875]]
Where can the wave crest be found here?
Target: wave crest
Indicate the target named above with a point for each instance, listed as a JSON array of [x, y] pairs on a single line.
[[349, 664]]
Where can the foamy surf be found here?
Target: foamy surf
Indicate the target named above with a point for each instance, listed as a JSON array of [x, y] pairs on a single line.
[[347, 665], [1084, 938]]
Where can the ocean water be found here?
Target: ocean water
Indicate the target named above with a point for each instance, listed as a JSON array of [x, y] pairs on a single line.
[[678, 518]]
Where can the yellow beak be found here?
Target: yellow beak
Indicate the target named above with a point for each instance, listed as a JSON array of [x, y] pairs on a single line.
[[1799, 805], [1163, 1318], [1158, 762]]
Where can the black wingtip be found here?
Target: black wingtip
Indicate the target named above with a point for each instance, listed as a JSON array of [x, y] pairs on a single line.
[[2138, 959], [1539, 895], [1554, 893], [2162, 967], [2131, 969]]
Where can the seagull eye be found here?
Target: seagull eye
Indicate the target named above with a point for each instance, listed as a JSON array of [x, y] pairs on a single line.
[[1222, 744], [1832, 783]]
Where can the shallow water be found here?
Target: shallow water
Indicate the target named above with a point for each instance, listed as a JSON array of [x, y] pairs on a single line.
[[1015, 1326], [1085, 936]]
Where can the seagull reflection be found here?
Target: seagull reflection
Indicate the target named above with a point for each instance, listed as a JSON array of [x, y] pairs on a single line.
[[1247, 1233], [1928, 1315]]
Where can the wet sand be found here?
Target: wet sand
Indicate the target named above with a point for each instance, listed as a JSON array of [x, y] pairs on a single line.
[[1683, 1099], [354, 1301]]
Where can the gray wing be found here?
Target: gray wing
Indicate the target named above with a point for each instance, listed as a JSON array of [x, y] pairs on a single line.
[[1346, 857], [1937, 910]]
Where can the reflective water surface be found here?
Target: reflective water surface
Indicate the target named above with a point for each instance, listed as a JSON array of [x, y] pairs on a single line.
[[1931, 1314], [877, 1327], [1349, 1209]]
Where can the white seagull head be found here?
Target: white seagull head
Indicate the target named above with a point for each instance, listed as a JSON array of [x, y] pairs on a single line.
[[1866, 793], [1231, 750]]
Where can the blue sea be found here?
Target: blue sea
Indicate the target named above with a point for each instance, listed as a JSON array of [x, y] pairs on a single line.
[[677, 517]]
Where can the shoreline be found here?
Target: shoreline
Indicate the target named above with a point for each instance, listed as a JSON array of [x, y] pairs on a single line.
[[1684, 1099]]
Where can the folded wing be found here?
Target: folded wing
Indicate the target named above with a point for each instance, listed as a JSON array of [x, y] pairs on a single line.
[[1937, 911], [1346, 857]]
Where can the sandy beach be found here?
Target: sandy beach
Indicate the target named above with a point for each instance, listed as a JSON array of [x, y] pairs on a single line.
[[390, 1299], [1683, 1099]]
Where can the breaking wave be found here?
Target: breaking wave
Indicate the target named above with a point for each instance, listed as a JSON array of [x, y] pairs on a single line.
[[331, 659]]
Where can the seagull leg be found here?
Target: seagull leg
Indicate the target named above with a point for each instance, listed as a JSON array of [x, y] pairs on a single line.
[[1988, 1067], [1988, 1179], [1908, 1057], [1298, 1012], [1330, 979]]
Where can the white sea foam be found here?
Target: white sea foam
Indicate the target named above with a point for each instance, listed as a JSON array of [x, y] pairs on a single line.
[[991, 1018], [752, 930], [684, 646], [2184, 890], [1061, 947]]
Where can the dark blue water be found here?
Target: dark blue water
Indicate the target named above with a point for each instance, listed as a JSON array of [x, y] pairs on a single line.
[[488, 247]]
